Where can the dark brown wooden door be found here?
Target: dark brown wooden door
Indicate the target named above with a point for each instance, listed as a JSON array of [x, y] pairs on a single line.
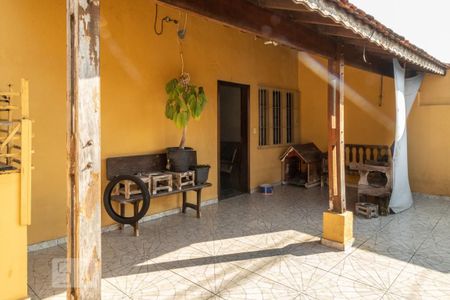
[[233, 139]]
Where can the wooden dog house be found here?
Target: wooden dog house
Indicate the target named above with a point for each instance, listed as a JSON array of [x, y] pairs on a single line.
[[302, 165]]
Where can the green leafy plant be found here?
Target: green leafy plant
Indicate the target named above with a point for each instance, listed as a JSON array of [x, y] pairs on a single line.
[[184, 101]]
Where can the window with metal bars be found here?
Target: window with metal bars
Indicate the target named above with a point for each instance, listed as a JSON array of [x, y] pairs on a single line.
[[289, 117], [277, 116], [263, 120]]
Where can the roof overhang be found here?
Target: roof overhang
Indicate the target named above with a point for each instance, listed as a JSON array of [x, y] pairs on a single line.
[[321, 27], [376, 33]]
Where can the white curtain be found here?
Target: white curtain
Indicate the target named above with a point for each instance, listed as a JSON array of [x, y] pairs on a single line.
[[405, 94]]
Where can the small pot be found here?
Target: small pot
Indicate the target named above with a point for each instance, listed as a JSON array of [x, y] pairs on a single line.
[[180, 159], [201, 173]]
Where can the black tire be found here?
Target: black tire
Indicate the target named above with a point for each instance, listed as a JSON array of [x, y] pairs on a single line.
[[145, 198]]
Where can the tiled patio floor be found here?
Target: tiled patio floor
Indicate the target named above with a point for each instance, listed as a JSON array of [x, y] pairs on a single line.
[[256, 247]]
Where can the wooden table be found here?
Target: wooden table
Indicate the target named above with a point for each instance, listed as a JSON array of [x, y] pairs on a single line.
[[134, 199]]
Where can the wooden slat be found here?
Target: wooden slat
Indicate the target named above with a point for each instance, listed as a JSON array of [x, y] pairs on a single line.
[[135, 197], [25, 172], [14, 138], [9, 138], [9, 155], [131, 165], [83, 150], [26, 152], [9, 94], [8, 107], [24, 99]]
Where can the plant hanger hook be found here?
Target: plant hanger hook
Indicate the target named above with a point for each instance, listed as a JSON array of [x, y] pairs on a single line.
[[166, 19]]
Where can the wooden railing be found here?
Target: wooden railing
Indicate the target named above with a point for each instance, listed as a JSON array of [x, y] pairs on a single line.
[[357, 154], [15, 142]]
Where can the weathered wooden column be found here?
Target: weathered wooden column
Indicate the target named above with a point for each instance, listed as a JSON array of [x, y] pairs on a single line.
[[336, 147], [337, 222], [83, 150]]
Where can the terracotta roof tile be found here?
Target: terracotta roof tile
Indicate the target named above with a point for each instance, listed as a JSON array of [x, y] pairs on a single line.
[[371, 21]]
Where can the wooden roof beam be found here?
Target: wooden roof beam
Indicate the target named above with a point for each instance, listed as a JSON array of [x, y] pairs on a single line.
[[396, 46], [251, 18], [248, 17], [313, 18], [371, 63], [369, 46], [338, 32], [282, 5]]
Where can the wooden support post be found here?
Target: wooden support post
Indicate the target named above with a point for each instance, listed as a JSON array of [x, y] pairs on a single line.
[[25, 156], [337, 222], [336, 146], [83, 150]]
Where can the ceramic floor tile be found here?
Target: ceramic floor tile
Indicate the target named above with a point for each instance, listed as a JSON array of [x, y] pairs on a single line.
[[32, 295], [365, 228], [331, 286], [41, 278], [370, 268], [399, 247], [146, 281], [435, 260], [108, 292], [182, 258], [111, 292], [390, 296], [237, 283], [303, 296], [258, 247], [230, 281], [279, 239], [417, 282], [227, 248], [286, 269], [317, 255]]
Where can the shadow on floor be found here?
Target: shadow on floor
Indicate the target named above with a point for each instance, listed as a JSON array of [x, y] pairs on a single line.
[[251, 241]]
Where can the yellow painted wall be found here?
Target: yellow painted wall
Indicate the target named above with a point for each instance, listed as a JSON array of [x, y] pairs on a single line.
[[33, 47], [368, 123], [429, 138], [135, 65], [132, 88], [13, 253]]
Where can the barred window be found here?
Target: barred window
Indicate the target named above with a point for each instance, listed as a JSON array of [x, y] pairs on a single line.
[[263, 122], [289, 117], [278, 116]]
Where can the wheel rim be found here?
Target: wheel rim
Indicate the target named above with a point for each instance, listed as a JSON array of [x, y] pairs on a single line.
[[108, 199]]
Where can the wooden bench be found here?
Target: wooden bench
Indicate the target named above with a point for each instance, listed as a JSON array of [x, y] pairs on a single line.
[[150, 163]]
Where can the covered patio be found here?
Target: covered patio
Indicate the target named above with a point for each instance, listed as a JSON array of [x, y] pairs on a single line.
[[259, 247], [298, 243]]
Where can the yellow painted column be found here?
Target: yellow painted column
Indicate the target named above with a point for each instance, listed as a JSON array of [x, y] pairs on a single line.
[[338, 230], [13, 252]]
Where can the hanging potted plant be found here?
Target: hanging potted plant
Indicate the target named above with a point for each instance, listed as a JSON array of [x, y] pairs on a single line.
[[184, 101]]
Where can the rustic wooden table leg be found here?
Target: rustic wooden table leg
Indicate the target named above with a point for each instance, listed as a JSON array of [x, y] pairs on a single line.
[[183, 208], [122, 213], [136, 225], [199, 200]]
